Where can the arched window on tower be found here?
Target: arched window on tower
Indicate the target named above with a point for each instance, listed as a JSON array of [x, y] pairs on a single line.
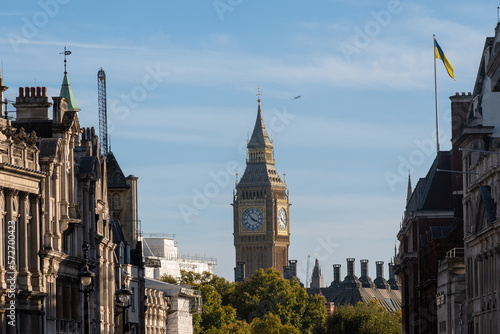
[[116, 201]]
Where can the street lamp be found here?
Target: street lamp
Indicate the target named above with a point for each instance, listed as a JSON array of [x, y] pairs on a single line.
[[87, 281], [123, 300]]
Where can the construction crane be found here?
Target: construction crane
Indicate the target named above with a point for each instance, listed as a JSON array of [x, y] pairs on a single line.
[[103, 114], [307, 271]]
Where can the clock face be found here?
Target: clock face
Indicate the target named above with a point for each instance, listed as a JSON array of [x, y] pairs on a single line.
[[282, 219], [252, 219]]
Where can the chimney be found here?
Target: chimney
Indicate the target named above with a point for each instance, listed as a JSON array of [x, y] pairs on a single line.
[[336, 274], [350, 266], [380, 281], [2, 89], [393, 283], [31, 104], [351, 280], [60, 108], [365, 279], [239, 272], [293, 268], [364, 268]]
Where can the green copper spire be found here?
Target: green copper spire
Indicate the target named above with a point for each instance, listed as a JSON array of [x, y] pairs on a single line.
[[67, 93]]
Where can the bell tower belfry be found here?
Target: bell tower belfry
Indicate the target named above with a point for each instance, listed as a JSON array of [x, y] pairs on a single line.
[[261, 208]]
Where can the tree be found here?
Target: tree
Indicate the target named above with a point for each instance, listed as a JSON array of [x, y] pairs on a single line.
[[367, 318], [271, 324], [264, 303], [266, 292], [168, 279]]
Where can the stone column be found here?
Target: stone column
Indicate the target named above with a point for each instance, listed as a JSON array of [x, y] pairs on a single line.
[[11, 209], [3, 239], [85, 211], [22, 248], [36, 278], [57, 206]]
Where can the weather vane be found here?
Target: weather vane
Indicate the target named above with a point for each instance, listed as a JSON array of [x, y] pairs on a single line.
[[65, 53], [259, 94]]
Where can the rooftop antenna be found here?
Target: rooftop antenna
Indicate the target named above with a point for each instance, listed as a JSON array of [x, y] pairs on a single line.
[[65, 53]]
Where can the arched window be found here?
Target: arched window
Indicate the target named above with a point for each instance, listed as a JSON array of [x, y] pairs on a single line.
[[116, 201]]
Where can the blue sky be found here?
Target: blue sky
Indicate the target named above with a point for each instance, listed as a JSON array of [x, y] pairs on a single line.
[[181, 82]]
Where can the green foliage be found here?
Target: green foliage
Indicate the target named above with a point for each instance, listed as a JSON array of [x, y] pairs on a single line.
[[367, 318], [168, 279], [267, 303], [266, 292], [271, 324]]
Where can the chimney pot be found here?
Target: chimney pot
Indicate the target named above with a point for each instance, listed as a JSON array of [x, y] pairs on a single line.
[[350, 266], [21, 92], [336, 273], [456, 94], [463, 93], [44, 91], [33, 92], [380, 269], [364, 267], [39, 91], [26, 91]]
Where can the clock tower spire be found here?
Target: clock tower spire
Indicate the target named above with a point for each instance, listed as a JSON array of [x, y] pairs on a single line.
[[261, 208]]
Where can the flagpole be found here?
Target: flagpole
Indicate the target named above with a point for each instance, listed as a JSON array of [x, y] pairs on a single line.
[[435, 94]]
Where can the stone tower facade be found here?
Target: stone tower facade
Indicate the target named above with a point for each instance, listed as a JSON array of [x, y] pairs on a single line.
[[261, 209]]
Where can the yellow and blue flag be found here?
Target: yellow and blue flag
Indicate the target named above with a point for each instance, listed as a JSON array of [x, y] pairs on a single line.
[[439, 54]]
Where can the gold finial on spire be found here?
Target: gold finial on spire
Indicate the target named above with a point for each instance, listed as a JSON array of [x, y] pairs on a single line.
[[259, 94]]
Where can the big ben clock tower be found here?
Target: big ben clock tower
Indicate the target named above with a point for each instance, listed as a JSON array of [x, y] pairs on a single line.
[[260, 204]]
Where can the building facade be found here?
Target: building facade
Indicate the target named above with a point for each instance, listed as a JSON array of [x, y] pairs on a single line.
[[480, 142], [57, 195], [260, 209], [53, 195]]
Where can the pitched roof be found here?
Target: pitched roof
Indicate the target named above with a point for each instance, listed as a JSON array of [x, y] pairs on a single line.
[[259, 137], [434, 192], [340, 295], [116, 178]]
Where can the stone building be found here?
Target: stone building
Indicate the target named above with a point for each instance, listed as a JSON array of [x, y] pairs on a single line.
[[171, 302], [352, 289], [260, 209], [480, 142], [317, 278], [53, 191]]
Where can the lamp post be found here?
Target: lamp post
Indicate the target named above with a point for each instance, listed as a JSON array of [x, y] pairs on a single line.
[[87, 281], [123, 301]]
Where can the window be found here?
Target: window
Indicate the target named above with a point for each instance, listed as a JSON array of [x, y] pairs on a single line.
[[116, 201]]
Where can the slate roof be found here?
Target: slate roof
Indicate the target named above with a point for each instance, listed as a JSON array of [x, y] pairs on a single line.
[[434, 192], [116, 178], [341, 295], [43, 128], [118, 236], [48, 147], [86, 165]]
